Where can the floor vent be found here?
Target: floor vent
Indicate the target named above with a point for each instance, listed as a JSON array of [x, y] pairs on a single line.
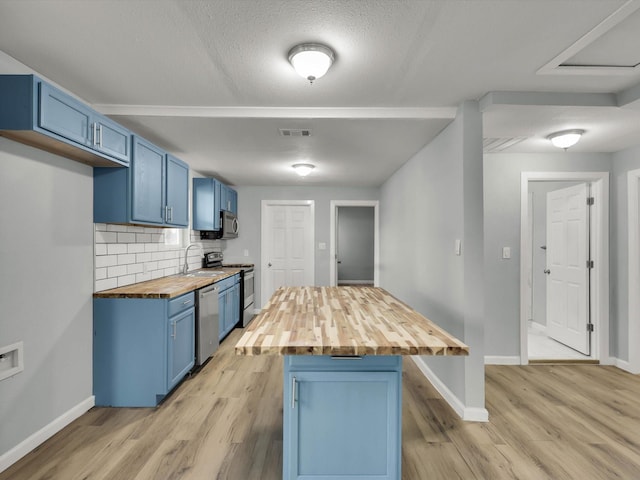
[[295, 132], [492, 145]]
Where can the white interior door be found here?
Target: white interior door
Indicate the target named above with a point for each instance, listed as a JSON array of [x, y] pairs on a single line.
[[288, 254], [567, 272]]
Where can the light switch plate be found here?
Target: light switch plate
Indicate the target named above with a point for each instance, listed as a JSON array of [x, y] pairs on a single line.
[[458, 247], [322, 246], [246, 252], [506, 253], [11, 360]]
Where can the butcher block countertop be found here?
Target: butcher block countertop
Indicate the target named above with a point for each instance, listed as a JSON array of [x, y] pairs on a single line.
[[343, 321], [166, 287]]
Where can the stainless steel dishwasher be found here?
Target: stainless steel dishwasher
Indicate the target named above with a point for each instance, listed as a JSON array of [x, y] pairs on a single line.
[[208, 319]]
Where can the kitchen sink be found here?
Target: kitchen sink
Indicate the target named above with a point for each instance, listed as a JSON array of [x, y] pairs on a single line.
[[210, 273]]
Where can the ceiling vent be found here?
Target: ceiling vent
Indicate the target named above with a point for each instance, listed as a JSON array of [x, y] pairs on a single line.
[[295, 132], [493, 145]]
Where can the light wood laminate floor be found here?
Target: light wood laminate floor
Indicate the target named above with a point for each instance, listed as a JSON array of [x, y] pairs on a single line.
[[546, 422]]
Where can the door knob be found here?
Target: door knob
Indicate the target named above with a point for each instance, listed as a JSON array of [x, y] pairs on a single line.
[[269, 264], [547, 271], [339, 261]]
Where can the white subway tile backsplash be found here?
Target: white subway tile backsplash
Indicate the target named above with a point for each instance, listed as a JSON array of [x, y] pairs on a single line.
[[117, 271], [135, 248], [126, 280], [116, 248], [150, 247], [106, 261], [105, 237], [126, 258], [116, 228], [126, 254], [106, 284], [135, 268], [143, 257], [126, 237]]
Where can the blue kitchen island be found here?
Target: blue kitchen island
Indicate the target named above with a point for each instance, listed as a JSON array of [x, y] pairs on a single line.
[[342, 349]]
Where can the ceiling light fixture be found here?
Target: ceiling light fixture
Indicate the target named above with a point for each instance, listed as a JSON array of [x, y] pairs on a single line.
[[303, 169], [565, 138], [311, 60]]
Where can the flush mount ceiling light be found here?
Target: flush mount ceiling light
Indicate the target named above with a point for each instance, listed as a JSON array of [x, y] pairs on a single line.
[[311, 60], [303, 169], [565, 138]]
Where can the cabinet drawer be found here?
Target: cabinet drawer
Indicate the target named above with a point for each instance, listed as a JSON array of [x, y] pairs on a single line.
[[372, 363], [227, 282], [183, 302]]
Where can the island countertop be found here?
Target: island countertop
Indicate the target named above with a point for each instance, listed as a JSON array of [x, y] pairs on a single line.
[[343, 321]]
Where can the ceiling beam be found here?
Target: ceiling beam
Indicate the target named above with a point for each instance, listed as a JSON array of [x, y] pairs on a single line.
[[277, 112], [548, 99]]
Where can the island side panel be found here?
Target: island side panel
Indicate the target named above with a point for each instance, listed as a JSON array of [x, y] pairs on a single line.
[[342, 417]]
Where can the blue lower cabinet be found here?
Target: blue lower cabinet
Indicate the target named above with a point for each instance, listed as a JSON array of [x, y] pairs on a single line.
[[229, 304], [142, 348], [342, 418]]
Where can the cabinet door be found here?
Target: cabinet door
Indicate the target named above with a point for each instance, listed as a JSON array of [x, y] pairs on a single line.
[[147, 182], [64, 115], [342, 425], [177, 192], [223, 307], [181, 348], [111, 139], [232, 197]]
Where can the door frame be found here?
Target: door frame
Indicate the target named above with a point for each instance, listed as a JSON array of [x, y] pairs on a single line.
[[333, 236], [633, 194], [599, 231], [264, 227]]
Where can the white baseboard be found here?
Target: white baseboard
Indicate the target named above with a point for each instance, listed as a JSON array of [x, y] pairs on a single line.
[[538, 326], [469, 414], [626, 366], [501, 360], [16, 453], [356, 282]]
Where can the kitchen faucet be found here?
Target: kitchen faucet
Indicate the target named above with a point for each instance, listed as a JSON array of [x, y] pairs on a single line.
[[185, 267]]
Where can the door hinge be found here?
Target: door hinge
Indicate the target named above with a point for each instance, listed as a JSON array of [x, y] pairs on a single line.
[[590, 200], [589, 263], [589, 327]]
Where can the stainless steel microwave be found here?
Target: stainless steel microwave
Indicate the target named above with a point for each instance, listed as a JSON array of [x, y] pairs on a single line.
[[229, 224]]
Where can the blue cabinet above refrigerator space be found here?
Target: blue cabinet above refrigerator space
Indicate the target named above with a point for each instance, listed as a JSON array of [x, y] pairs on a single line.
[[38, 114]]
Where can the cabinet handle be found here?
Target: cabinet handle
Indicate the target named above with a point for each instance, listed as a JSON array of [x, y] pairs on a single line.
[[187, 302], [95, 134], [171, 214], [173, 335], [100, 135], [346, 357], [166, 213], [293, 392]]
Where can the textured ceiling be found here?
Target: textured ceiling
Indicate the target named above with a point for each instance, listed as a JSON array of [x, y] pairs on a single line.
[[210, 82]]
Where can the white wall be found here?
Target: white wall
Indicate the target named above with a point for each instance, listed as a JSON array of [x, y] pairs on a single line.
[[356, 234], [622, 163], [249, 217], [502, 172], [431, 201], [46, 280]]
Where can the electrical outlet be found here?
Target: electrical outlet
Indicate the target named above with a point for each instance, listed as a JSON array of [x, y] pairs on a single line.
[[246, 252], [11, 361]]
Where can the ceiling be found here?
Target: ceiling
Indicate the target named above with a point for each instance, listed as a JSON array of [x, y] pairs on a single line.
[[210, 82]]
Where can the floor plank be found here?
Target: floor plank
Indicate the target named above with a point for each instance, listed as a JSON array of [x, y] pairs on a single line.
[[225, 422]]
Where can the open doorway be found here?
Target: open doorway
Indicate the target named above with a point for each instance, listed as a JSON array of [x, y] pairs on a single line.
[[540, 285], [354, 243]]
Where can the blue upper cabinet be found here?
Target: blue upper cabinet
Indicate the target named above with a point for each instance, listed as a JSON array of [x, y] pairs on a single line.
[[210, 197], [153, 191], [147, 183], [177, 192], [38, 114], [206, 204]]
